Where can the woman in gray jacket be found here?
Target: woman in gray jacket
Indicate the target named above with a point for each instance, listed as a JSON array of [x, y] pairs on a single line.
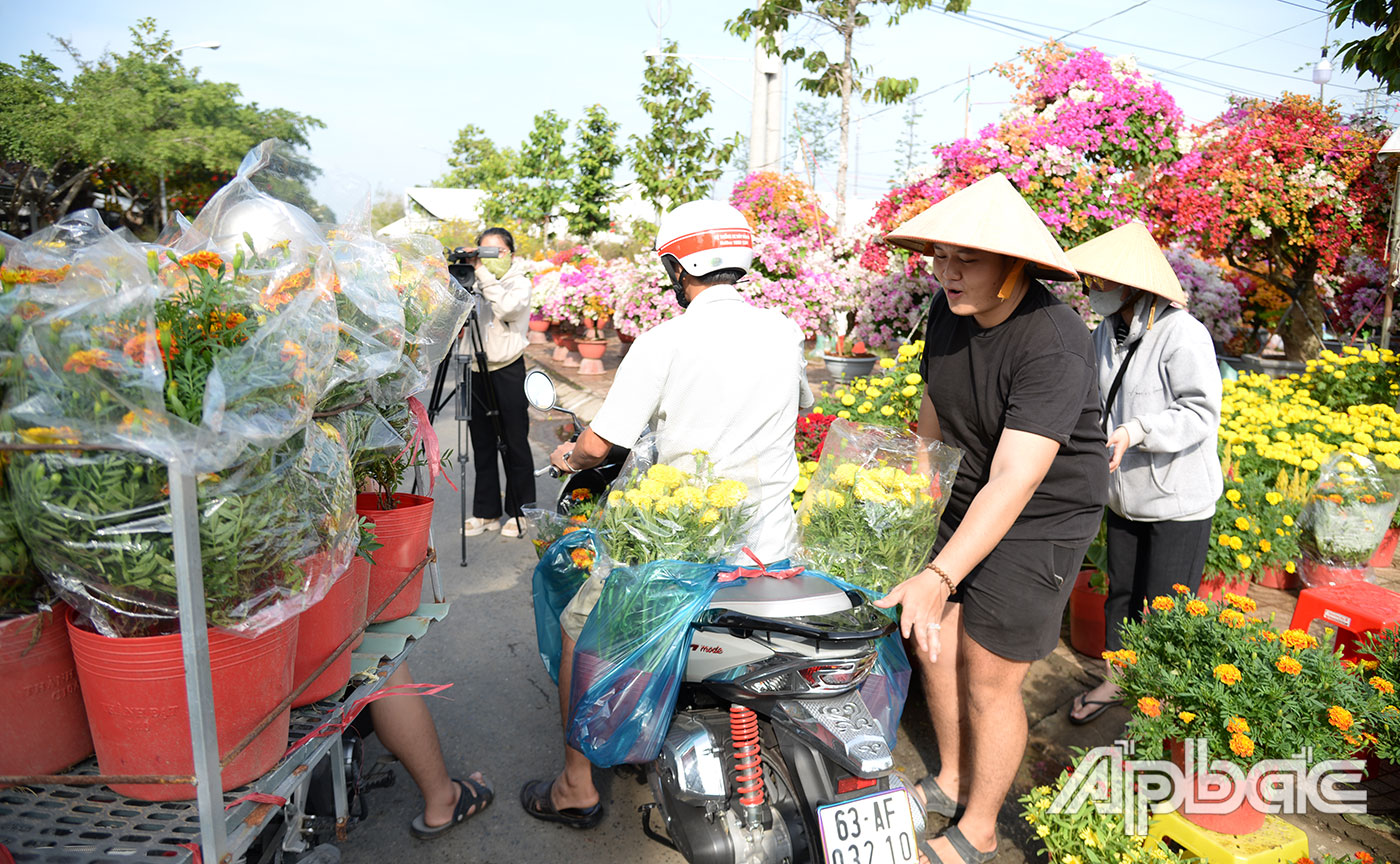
[[1161, 389]]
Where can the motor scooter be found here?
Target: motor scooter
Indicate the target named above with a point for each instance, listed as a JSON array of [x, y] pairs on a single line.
[[772, 754]]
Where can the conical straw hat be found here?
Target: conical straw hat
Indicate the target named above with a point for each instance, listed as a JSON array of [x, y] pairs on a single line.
[[991, 215], [1128, 255]]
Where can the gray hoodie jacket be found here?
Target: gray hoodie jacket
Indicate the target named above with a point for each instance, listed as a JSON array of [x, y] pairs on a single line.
[[1169, 402]]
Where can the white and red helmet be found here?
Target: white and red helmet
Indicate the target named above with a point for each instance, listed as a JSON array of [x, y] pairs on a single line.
[[703, 237]]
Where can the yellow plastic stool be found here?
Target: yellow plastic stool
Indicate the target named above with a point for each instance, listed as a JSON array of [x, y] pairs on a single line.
[[1276, 842]]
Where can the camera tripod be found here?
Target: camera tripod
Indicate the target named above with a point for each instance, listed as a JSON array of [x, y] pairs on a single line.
[[473, 359]]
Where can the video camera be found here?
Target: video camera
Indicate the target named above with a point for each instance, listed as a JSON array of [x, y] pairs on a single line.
[[461, 263]]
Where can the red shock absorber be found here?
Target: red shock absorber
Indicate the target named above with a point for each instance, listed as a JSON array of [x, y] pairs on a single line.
[[748, 761]]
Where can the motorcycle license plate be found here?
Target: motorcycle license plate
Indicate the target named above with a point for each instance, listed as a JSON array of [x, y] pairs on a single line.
[[876, 829]]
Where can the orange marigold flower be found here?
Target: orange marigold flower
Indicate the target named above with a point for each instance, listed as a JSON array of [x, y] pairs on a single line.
[[1163, 604], [1197, 608], [572, 528], [1241, 745], [1365, 857], [1233, 617], [582, 558], [1181, 589], [1149, 706], [142, 347], [1240, 602], [29, 275], [1227, 674], [272, 299], [1237, 725], [292, 351], [1288, 665], [1270, 636], [87, 359], [1339, 717], [205, 260], [1382, 685], [1297, 640], [579, 518], [581, 494]]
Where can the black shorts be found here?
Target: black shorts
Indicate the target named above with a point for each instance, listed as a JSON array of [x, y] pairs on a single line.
[[1013, 602]]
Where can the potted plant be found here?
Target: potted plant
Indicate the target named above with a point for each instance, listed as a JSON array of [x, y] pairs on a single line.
[[1087, 627], [1195, 669], [1345, 519], [1380, 667], [889, 398], [848, 360]]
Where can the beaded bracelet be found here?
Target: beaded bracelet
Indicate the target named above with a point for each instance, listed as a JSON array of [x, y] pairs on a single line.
[[944, 576]]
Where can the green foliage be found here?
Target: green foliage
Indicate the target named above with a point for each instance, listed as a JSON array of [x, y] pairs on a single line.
[[387, 208], [596, 157], [813, 124], [463, 232], [1378, 54], [476, 163], [123, 122], [676, 162], [911, 154], [542, 174]]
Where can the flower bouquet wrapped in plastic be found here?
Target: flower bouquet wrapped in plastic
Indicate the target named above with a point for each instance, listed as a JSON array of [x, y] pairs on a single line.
[[1345, 519], [372, 334], [870, 514], [434, 310]]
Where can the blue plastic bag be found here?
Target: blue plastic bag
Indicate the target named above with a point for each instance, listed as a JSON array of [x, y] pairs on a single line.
[[558, 577], [631, 657]]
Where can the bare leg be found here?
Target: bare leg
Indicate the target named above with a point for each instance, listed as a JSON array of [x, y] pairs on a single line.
[[995, 737], [573, 788], [946, 704], [406, 729]]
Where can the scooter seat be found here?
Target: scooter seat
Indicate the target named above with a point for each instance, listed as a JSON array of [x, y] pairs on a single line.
[[797, 597]]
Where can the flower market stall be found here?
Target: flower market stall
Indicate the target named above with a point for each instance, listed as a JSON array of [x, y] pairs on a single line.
[[186, 424]]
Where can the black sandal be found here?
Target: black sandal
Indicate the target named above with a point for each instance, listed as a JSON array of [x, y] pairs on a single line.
[[475, 797], [1081, 702], [535, 798], [938, 801], [967, 853]]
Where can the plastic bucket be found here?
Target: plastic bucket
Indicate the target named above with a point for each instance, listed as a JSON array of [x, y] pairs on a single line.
[[359, 576], [43, 724], [404, 531], [134, 690], [1086, 617], [323, 627]]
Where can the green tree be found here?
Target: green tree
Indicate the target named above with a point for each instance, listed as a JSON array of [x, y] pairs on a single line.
[[385, 208], [124, 122], [1379, 53], [596, 158], [910, 153], [813, 124], [542, 174], [477, 163], [676, 162], [830, 77]]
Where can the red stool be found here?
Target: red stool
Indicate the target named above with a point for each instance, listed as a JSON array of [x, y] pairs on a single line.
[[1355, 608]]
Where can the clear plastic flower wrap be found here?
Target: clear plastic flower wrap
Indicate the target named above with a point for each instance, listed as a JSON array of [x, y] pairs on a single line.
[[682, 512], [372, 336], [1345, 518], [434, 310], [274, 531], [870, 514], [20, 583]]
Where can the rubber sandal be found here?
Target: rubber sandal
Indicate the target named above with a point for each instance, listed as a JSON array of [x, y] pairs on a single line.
[[967, 853], [1081, 702], [936, 800], [535, 798], [474, 795]]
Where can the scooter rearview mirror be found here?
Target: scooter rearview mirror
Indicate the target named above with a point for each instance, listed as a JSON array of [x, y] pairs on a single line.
[[539, 390]]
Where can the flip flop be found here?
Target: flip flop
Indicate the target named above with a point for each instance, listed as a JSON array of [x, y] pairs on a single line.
[[535, 798], [967, 853], [1081, 702], [474, 795], [936, 800]]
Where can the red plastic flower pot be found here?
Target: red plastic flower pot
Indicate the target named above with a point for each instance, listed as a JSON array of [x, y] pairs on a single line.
[[43, 724], [1214, 586], [1279, 578], [592, 349], [405, 532], [1086, 617], [323, 627], [1243, 818], [134, 689]]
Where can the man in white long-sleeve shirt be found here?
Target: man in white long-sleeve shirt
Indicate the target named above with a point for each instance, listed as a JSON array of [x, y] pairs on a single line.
[[505, 322], [724, 377]]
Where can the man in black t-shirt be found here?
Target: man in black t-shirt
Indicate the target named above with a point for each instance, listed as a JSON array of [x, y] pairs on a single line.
[[1011, 381]]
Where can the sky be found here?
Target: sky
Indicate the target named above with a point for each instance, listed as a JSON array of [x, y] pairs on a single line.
[[394, 82]]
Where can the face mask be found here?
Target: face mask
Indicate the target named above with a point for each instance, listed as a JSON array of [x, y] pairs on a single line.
[[1105, 303], [496, 266]]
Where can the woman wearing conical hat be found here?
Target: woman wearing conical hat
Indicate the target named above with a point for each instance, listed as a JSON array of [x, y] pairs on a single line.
[[1157, 373], [1010, 380]]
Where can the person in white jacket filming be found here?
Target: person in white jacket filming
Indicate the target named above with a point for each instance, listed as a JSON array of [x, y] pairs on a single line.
[[1161, 390]]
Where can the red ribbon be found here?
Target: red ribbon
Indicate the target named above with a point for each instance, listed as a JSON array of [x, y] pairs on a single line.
[[761, 570], [426, 436], [194, 847], [330, 727], [258, 798]]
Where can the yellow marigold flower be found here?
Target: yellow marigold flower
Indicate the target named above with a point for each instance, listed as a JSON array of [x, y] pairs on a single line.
[[49, 435], [615, 497], [1244, 604], [1241, 524], [1339, 717], [1227, 674], [1232, 495], [1241, 745], [651, 488], [1273, 498], [1244, 561], [1382, 685], [1236, 543], [845, 474], [1162, 604], [848, 400], [1149, 706], [1185, 716], [1265, 546], [913, 379], [1288, 665], [710, 516], [909, 391], [1197, 608], [887, 411], [668, 475], [888, 363]]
